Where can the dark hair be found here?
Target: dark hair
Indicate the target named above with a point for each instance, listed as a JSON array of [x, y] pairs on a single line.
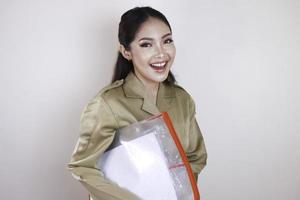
[[129, 25]]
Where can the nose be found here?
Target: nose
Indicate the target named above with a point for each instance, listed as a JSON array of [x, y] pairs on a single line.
[[160, 52], [160, 55]]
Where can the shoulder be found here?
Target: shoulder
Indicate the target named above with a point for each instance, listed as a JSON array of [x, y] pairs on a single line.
[[180, 92], [98, 108], [185, 97], [111, 90], [112, 86], [108, 92]]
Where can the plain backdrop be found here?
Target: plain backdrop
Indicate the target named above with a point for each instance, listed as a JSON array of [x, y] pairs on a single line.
[[238, 59]]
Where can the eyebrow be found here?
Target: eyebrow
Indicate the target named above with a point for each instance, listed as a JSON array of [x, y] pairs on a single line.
[[147, 38]]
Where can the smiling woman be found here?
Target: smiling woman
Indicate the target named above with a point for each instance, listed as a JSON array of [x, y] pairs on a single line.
[[142, 86]]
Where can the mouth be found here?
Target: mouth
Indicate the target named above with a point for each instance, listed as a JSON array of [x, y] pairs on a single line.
[[159, 67]]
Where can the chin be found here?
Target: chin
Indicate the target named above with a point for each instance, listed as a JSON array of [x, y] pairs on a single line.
[[160, 79]]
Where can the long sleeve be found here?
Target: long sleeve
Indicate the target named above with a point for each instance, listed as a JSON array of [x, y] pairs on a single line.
[[196, 151], [97, 129]]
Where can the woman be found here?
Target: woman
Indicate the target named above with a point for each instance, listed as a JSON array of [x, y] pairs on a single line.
[[142, 86]]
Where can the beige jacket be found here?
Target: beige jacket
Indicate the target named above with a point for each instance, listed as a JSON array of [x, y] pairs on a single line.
[[120, 104]]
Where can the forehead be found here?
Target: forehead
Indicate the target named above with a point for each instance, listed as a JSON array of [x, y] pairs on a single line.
[[153, 28]]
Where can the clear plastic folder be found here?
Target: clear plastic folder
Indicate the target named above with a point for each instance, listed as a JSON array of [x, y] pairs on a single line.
[[147, 159]]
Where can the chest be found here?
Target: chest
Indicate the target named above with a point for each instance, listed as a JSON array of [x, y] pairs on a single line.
[[131, 111]]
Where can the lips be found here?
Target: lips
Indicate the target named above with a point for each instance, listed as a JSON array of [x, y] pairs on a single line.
[[160, 66]]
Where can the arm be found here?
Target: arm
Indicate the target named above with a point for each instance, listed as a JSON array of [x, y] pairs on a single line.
[[97, 129], [196, 151]]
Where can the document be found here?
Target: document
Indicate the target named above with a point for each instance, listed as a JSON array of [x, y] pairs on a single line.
[[144, 173]]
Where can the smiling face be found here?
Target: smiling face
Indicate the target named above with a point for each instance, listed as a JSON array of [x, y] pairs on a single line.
[[152, 51]]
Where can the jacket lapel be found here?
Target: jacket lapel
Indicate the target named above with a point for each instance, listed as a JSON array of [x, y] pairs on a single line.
[[134, 88], [165, 97], [150, 107]]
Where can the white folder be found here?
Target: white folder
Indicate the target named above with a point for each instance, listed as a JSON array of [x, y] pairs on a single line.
[[145, 159]]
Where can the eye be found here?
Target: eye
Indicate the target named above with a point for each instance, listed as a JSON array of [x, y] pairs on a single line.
[[145, 44], [168, 41]]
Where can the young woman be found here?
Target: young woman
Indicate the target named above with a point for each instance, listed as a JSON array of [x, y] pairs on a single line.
[[142, 86]]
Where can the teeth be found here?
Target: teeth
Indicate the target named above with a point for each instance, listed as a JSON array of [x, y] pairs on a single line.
[[159, 64]]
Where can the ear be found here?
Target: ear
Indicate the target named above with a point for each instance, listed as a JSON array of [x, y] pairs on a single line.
[[125, 53]]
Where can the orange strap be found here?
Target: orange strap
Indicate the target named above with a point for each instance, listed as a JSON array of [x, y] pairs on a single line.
[[182, 154]]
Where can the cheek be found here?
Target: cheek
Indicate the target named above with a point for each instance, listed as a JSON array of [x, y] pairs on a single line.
[[172, 51], [141, 56]]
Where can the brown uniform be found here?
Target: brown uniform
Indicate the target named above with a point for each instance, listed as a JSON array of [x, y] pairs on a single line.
[[120, 104]]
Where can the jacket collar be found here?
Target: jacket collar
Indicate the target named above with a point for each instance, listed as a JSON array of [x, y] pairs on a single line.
[[134, 88]]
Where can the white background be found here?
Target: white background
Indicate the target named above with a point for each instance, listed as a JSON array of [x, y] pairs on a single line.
[[239, 60]]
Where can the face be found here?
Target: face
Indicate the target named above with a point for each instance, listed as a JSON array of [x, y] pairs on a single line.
[[152, 51]]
